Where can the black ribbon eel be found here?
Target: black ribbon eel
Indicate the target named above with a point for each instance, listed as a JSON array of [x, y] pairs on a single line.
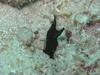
[[51, 39]]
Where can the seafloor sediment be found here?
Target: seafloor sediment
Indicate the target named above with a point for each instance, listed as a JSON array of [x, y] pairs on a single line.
[[23, 36]]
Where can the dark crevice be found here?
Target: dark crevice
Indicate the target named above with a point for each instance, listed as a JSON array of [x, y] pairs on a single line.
[[18, 4]]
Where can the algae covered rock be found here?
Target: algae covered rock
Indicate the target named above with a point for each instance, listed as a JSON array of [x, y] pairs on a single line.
[[25, 35]]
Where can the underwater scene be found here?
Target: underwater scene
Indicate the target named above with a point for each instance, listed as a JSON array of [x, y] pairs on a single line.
[[49, 37]]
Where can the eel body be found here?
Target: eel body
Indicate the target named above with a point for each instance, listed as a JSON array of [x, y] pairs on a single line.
[[51, 39]]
